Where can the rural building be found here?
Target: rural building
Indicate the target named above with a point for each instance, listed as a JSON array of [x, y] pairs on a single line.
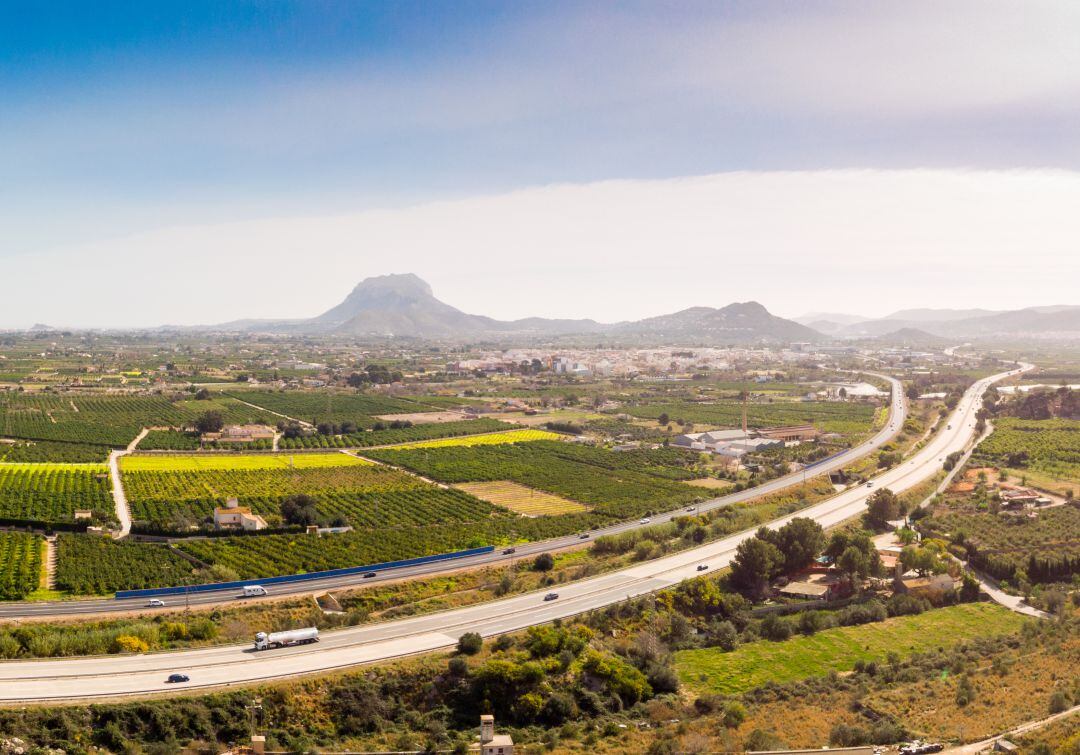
[[240, 434], [234, 516], [1015, 498], [790, 434], [492, 743], [924, 585], [807, 591]]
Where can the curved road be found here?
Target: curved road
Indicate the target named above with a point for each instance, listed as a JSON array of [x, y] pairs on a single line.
[[897, 415], [80, 678]]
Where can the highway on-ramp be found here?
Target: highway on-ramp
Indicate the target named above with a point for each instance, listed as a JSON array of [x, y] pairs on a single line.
[[897, 415], [145, 675]]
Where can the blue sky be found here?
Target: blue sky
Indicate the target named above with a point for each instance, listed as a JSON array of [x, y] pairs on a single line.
[[122, 121]]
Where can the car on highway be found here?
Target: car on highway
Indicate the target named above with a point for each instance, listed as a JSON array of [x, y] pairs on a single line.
[[870, 484], [644, 520], [177, 678], [691, 508], [702, 567], [551, 596], [155, 603], [583, 536], [509, 551], [369, 574]]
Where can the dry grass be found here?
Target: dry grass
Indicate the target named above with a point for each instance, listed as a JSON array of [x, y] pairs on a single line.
[[425, 418], [522, 499], [710, 482]]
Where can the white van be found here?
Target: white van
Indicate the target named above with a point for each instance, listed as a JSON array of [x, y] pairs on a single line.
[[254, 591]]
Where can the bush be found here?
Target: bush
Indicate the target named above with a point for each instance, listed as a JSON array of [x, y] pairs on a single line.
[[127, 643], [544, 562], [1059, 701], [470, 643]]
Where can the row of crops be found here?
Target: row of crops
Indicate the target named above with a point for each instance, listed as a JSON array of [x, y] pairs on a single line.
[[52, 492], [20, 564], [1048, 545], [270, 555], [828, 416], [389, 436], [614, 485], [1054, 440], [331, 407], [93, 565], [108, 420], [43, 451]]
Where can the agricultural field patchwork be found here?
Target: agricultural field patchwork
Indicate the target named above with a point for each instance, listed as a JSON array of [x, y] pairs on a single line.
[[837, 649], [45, 451], [50, 493], [521, 499], [393, 435], [20, 564], [613, 484], [112, 421], [180, 492]]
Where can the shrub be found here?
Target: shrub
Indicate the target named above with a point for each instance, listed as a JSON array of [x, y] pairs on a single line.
[[126, 643], [470, 643]]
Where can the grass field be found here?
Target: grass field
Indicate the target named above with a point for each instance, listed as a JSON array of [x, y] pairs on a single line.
[[838, 649], [522, 499], [491, 439], [229, 462]]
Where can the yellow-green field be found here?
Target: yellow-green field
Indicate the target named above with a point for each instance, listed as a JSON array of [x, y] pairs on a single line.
[[488, 439], [522, 499], [756, 663], [187, 462]]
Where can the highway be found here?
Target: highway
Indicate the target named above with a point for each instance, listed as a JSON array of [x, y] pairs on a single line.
[[897, 415], [144, 675]]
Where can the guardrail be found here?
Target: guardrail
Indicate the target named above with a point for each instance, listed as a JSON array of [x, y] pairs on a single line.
[[154, 592]]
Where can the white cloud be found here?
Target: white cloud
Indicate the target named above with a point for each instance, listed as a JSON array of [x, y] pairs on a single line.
[[866, 241]]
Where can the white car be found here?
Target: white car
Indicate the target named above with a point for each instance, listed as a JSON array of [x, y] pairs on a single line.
[[155, 603], [644, 520]]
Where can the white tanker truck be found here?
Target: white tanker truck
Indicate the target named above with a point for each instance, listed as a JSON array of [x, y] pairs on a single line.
[[264, 641]]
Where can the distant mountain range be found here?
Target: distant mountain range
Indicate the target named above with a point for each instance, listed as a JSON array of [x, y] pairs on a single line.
[[1056, 321], [404, 306]]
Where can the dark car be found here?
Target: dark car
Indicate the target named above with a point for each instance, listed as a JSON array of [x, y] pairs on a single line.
[[551, 596], [509, 551], [702, 567], [583, 536], [177, 678], [369, 574]]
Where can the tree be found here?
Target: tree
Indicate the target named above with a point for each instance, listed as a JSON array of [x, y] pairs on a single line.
[[923, 560], [210, 422], [854, 564], [663, 419], [202, 395], [842, 393], [881, 507], [800, 541], [755, 562], [470, 643], [299, 509]]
